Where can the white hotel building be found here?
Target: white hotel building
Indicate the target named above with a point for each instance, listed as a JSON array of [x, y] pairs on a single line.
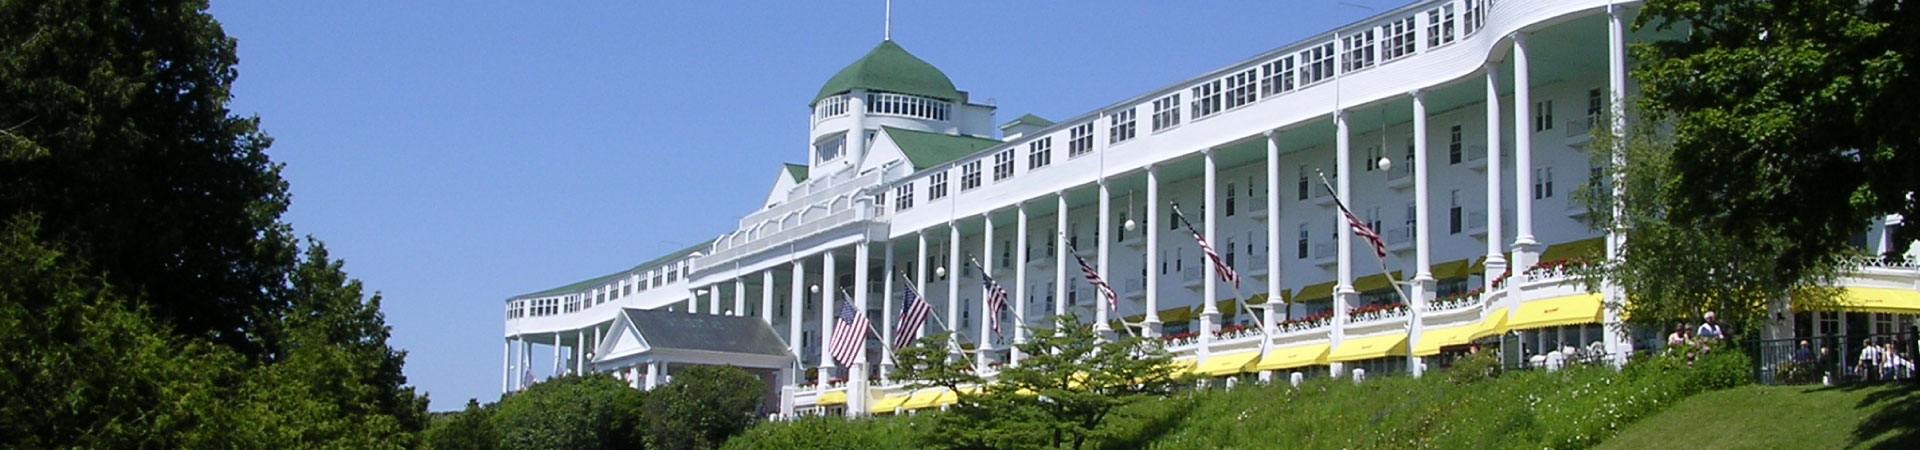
[[1484, 108]]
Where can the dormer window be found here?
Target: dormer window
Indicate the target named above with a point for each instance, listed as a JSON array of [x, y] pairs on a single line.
[[829, 149]]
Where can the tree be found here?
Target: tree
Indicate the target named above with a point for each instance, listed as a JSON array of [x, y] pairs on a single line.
[[115, 130], [1675, 271], [1060, 395], [471, 429], [1793, 122], [572, 412], [702, 407]]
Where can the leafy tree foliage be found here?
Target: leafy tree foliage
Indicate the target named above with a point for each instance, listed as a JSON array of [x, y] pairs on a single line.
[[1061, 395], [702, 407], [571, 412], [1793, 122], [1673, 271], [470, 429]]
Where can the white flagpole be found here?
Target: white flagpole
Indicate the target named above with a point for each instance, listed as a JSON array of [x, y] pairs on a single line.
[[1404, 300], [1114, 303], [1267, 338], [943, 326]]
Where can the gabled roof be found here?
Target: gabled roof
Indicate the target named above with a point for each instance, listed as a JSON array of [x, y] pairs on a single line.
[[889, 68], [1028, 119], [798, 171], [925, 149], [668, 330], [603, 279]]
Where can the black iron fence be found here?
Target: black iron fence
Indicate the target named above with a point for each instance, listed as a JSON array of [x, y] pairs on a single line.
[[1836, 360]]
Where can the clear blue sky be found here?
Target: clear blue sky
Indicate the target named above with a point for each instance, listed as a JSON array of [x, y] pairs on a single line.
[[459, 153]]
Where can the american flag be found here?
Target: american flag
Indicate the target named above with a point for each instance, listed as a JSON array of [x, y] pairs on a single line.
[[996, 299], [1093, 276], [913, 314], [1359, 227], [1220, 267], [849, 334]]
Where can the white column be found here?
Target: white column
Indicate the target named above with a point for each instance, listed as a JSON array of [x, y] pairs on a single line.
[[1152, 223], [857, 376], [795, 306], [1343, 292], [713, 298], [985, 261], [828, 292], [1100, 307], [953, 287], [739, 296], [593, 346], [1526, 251], [506, 365], [1615, 337], [653, 375], [920, 277], [1496, 262], [857, 135], [1423, 258], [1019, 283], [579, 352], [886, 313], [766, 296], [1273, 230], [1061, 255], [556, 354], [1209, 312]]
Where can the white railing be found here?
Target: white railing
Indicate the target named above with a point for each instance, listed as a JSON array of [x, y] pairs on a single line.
[[1399, 236], [1476, 220], [812, 192], [1475, 154], [890, 104], [1580, 127], [1191, 274], [862, 212], [830, 107], [1877, 262], [1323, 251]]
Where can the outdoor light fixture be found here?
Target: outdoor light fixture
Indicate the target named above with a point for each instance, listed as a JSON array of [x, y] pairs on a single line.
[[940, 272], [1386, 164]]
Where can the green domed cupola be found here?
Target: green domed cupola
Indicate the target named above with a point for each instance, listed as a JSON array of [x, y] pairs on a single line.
[[889, 68]]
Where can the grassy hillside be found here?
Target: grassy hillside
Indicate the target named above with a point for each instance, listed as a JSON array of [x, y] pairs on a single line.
[[1576, 408], [1784, 417]]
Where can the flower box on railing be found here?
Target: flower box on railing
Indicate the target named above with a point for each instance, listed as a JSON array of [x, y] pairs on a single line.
[[1306, 323], [1376, 312]]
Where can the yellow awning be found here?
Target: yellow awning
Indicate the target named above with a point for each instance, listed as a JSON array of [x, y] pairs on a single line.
[[923, 398], [1573, 250], [886, 405], [1431, 340], [1452, 269], [1227, 363], [832, 398], [1185, 365], [1568, 310], [1879, 300], [1314, 292], [1495, 323], [1375, 281], [948, 397], [1175, 315], [1370, 348], [1295, 356], [1257, 299]]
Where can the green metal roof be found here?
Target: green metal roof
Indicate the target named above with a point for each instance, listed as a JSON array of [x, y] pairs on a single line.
[[603, 279], [925, 149], [1028, 119], [798, 171], [890, 68]]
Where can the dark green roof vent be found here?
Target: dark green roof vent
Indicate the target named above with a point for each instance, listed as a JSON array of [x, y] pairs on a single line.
[[889, 68]]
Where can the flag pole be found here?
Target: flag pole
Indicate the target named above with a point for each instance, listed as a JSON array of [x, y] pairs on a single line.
[[1376, 256], [1237, 298], [1114, 302], [943, 325], [1022, 318]]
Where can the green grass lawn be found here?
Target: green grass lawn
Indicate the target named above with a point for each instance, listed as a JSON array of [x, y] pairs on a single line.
[[1877, 417]]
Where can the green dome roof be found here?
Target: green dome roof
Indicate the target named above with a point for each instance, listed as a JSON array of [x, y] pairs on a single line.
[[890, 68]]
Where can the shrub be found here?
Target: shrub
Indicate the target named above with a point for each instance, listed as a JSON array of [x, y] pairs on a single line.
[[1474, 367]]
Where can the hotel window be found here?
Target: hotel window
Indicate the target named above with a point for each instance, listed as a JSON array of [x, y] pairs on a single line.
[[1052, 243], [1373, 218], [1277, 76], [903, 197], [1476, 15], [1003, 165], [1166, 112], [1229, 205], [1120, 226], [829, 149], [1440, 26], [1373, 158], [1206, 99], [1039, 153], [1006, 254], [1595, 103], [1454, 214], [1316, 64], [1542, 183], [1542, 115], [1230, 253], [970, 175], [937, 186], [1242, 88], [1300, 245], [1398, 37], [1455, 148], [1120, 126], [1302, 187], [1357, 51], [1081, 141]]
